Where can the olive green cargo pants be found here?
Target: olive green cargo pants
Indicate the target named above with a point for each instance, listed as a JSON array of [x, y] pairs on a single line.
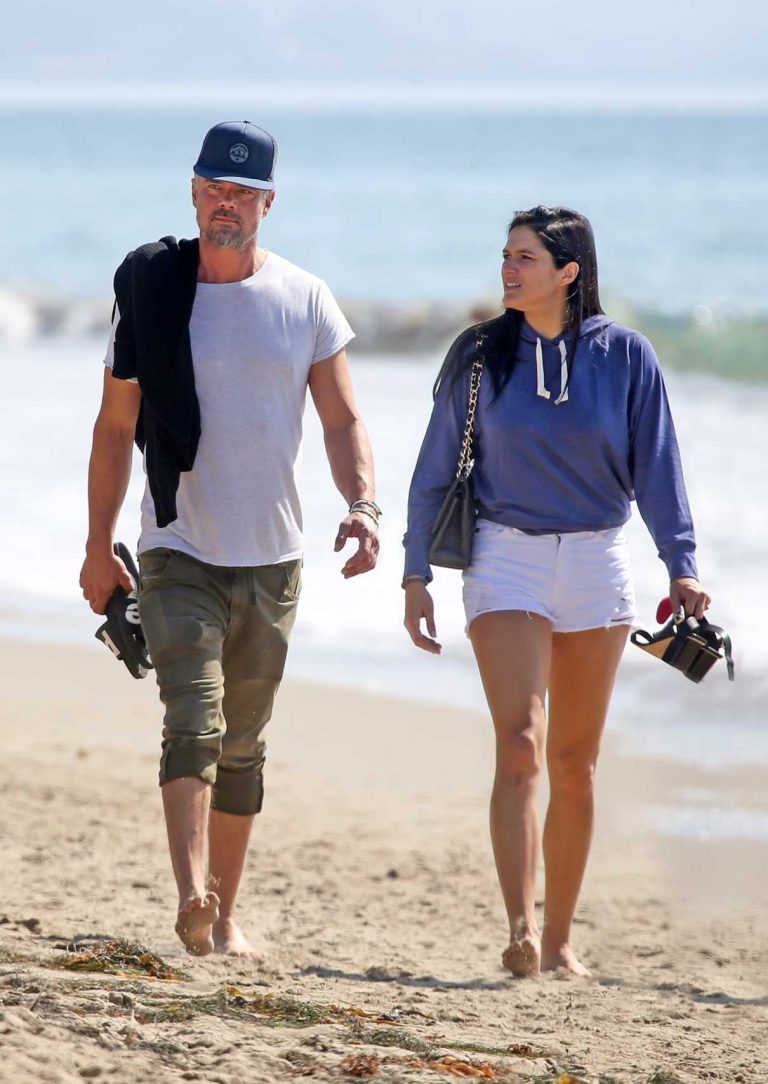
[[218, 638]]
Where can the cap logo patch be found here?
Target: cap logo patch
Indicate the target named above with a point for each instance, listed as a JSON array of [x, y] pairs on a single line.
[[239, 153]]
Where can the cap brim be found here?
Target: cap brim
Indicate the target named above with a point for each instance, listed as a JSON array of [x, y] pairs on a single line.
[[246, 182]]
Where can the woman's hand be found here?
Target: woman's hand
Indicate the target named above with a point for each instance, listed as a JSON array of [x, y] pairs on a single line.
[[689, 594], [418, 606]]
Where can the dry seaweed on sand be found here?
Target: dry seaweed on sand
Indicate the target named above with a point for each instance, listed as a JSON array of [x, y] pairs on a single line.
[[519, 1050], [292, 1011], [286, 1011], [126, 959], [361, 1065], [282, 1009], [276, 1010], [369, 1065], [457, 1067]]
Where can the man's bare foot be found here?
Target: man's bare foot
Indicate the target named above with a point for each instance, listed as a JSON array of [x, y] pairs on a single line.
[[229, 939], [563, 957], [194, 924], [523, 954]]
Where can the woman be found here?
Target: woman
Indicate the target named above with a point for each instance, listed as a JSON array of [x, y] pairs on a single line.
[[572, 423]]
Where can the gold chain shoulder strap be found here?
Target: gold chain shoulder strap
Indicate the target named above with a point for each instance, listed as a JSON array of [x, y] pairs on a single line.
[[466, 458]]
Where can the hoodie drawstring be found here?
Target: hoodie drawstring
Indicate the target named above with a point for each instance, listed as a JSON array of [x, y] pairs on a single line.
[[541, 388], [563, 396]]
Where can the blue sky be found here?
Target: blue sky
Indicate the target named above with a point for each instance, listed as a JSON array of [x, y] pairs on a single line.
[[679, 42]]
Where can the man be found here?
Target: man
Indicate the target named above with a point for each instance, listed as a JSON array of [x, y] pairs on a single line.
[[214, 344]]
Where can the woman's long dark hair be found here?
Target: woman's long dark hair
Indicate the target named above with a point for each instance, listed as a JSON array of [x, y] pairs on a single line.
[[568, 237]]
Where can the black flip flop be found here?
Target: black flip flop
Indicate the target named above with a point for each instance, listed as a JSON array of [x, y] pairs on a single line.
[[121, 632]]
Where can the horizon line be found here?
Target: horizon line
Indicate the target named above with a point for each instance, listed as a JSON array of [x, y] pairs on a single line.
[[326, 95]]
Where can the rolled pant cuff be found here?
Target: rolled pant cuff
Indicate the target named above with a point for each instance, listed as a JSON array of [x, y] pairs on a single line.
[[238, 793], [180, 761]]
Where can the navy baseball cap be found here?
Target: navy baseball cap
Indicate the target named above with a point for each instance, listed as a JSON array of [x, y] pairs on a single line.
[[239, 152]]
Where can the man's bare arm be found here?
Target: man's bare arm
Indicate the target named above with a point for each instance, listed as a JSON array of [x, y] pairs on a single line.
[[349, 455], [109, 472]]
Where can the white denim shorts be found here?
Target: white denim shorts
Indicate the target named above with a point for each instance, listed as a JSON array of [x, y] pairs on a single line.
[[577, 581]]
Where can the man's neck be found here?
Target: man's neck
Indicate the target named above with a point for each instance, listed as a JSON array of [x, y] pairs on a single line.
[[217, 264]]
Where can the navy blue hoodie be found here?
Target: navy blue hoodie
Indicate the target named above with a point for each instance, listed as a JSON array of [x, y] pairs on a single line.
[[566, 446]]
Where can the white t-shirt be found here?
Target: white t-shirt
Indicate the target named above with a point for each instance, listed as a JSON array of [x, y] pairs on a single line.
[[253, 344]]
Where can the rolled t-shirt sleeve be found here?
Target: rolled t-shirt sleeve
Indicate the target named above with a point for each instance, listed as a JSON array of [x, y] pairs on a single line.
[[332, 330], [109, 356]]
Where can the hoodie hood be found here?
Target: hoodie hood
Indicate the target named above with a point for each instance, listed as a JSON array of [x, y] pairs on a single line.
[[536, 347], [589, 327]]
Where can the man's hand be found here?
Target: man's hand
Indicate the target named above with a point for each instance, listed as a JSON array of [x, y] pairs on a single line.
[[101, 573], [365, 530], [419, 606], [688, 593]]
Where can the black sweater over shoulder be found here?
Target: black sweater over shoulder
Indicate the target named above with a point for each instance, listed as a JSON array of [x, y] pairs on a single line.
[[155, 290]]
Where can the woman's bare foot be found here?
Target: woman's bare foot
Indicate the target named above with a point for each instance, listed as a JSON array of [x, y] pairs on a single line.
[[195, 921], [562, 957], [229, 939], [523, 954]]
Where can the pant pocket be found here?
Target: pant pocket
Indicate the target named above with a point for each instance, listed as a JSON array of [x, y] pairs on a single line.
[[281, 583], [154, 563], [293, 580]]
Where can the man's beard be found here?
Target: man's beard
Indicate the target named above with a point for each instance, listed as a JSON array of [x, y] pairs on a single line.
[[226, 237]]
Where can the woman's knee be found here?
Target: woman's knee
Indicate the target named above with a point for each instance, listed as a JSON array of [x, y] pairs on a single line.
[[572, 773], [518, 754]]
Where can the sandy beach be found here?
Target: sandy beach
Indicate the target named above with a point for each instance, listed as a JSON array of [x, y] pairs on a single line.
[[372, 886]]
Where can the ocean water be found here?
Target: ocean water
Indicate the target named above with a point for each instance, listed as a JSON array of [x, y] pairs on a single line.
[[406, 209], [403, 204], [351, 632]]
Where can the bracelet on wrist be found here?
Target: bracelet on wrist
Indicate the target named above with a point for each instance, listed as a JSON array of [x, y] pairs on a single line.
[[362, 506], [363, 502], [413, 579], [364, 512]]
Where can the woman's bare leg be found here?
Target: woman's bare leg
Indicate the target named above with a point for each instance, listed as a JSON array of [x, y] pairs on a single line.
[[513, 653], [583, 671]]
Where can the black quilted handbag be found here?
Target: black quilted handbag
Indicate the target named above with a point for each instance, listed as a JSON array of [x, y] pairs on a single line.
[[454, 526]]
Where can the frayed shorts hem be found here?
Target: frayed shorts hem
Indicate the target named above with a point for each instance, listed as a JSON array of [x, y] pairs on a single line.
[[508, 606], [531, 611]]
